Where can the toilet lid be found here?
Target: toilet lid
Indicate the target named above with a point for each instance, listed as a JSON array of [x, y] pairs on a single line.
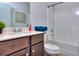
[[51, 46]]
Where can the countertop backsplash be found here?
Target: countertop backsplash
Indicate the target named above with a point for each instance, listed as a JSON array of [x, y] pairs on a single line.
[[9, 30]]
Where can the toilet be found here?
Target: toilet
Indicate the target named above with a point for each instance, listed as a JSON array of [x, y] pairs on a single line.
[[52, 49]]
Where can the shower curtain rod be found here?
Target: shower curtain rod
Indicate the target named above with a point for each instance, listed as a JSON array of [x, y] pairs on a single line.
[[55, 4]]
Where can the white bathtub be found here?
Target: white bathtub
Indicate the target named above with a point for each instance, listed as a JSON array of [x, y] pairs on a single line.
[[67, 49]]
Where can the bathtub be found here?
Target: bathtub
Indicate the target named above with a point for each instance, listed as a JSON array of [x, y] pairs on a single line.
[[67, 49]]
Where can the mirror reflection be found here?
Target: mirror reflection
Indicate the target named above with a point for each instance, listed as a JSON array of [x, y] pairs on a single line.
[[15, 14]]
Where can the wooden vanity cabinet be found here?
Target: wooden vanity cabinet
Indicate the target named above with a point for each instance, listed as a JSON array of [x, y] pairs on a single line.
[[29, 45], [37, 38], [37, 45], [37, 50], [12, 46], [23, 52]]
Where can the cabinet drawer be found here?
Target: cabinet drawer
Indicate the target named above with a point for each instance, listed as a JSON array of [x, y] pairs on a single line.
[[23, 52], [13, 45], [37, 50], [37, 38]]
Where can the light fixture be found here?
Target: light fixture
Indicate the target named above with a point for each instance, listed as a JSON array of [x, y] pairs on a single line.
[[77, 12]]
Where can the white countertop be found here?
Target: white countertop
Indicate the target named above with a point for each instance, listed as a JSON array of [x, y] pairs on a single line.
[[11, 36]]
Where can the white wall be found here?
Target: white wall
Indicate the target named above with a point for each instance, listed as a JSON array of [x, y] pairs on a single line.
[[67, 22], [66, 27], [38, 14], [51, 22]]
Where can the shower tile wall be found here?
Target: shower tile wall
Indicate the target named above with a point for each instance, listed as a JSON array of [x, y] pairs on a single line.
[[67, 22], [50, 22], [64, 20]]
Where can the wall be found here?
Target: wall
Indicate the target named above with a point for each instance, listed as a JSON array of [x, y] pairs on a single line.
[[51, 22], [66, 27], [38, 14], [67, 23]]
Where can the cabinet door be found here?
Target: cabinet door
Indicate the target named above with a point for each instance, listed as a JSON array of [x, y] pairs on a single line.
[[9, 47], [37, 50], [37, 38]]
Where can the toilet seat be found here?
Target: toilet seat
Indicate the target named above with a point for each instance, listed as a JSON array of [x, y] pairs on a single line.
[[51, 48]]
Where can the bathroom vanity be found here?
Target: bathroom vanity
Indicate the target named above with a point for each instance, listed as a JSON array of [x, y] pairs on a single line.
[[21, 44]]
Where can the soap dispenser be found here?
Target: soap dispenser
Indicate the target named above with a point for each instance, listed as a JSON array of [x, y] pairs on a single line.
[[30, 28]]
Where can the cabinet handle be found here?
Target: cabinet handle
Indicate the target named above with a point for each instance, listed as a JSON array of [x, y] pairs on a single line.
[[33, 51], [27, 54]]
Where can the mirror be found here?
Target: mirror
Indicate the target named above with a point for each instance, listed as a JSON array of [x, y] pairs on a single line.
[[15, 14]]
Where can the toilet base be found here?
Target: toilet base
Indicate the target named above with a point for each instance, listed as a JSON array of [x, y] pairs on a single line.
[[46, 54], [52, 49]]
